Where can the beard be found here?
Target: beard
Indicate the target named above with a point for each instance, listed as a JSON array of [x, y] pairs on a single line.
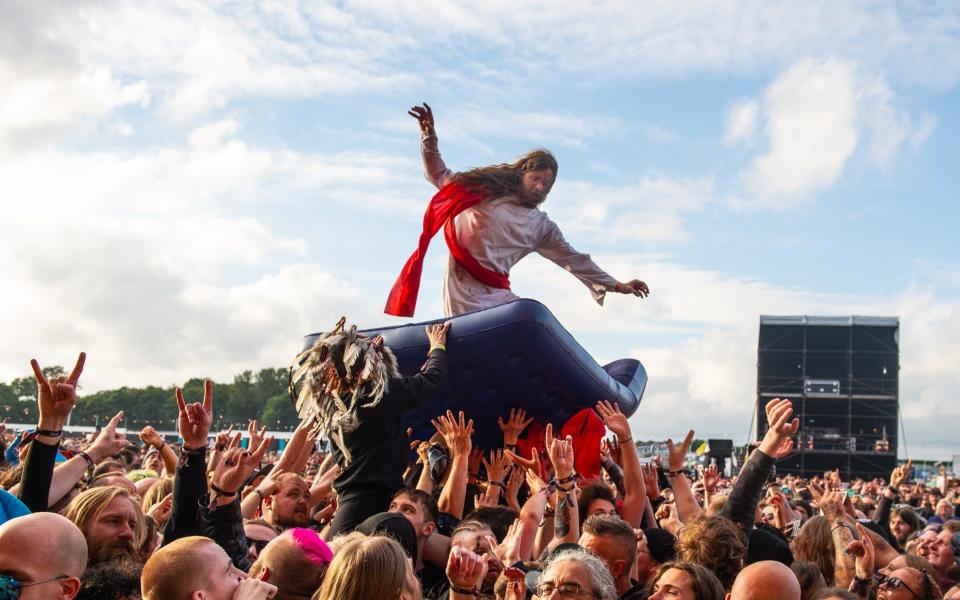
[[115, 552]]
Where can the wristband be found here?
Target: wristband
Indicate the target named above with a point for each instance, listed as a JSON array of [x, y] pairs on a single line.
[[220, 492], [499, 484], [463, 591], [572, 477], [49, 432], [86, 457], [674, 473], [438, 347]]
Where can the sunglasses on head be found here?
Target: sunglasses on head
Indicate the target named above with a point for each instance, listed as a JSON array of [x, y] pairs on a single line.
[[11, 587]]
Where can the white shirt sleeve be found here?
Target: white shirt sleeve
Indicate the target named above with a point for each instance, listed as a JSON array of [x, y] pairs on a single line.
[[554, 247], [434, 168]]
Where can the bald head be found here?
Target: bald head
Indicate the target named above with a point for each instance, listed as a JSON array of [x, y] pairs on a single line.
[[49, 535], [766, 580]]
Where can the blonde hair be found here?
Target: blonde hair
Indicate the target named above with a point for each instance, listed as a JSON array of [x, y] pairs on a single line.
[[83, 510], [173, 572], [504, 179], [367, 568], [157, 492]]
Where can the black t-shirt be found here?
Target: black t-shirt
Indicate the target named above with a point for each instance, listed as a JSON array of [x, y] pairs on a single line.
[[637, 592], [379, 445], [433, 581]]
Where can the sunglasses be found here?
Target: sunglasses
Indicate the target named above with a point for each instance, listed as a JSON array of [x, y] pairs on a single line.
[[11, 587], [893, 583]]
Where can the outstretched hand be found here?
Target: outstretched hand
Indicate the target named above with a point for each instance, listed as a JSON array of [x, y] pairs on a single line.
[[513, 426], [195, 419], [109, 442], [615, 421], [634, 286], [560, 453], [456, 433], [437, 333], [424, 115]]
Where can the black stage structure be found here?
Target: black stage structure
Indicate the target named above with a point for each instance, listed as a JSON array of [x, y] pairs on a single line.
[[841, 373]]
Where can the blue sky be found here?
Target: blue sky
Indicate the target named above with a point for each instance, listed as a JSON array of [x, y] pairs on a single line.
[[189, 187]]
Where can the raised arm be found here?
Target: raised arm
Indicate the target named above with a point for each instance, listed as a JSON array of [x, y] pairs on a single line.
[[566, 523], [635, 492], [55, 399], [554, 247], [687, 505], [434, 168], [190, 480], [456, 433], [150, 436], [741, 506]]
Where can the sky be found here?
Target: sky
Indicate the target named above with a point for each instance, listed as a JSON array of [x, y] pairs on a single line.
[[187, 188]]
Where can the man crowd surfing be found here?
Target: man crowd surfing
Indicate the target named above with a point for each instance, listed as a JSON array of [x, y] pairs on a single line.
[[206, 517], [353, 508]]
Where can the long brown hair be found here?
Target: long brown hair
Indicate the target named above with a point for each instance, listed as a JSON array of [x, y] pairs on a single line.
[[504, 179]]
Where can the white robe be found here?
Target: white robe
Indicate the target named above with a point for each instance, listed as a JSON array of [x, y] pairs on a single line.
[[498, 233]]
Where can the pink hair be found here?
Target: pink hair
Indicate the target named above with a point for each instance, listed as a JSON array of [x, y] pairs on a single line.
[[316, 550]]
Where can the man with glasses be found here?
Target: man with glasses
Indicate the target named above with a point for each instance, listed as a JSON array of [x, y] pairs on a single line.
[[64, 558], [575, 573]]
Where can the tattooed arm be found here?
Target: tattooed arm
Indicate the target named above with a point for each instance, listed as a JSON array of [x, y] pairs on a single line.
[[843, 533], [566, 520]]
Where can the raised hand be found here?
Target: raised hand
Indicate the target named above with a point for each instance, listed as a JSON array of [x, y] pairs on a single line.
[[236, 465], [497, 466], [256, 436], [195, 419], [56, 397], [511, 493], [465, 570], [668, 517], [615, 421], [900, 474], [424, 115], [437, 333], [222, 441], [508, 551], [455, 432], [651, 480], [531, 464], [778, 441], [161, 510], [513, 426], [516, 584], [863, 552], [831, 505], [634, 286], [677, 455], [150, 437], [711, 477], [108, 442], [560, 453]]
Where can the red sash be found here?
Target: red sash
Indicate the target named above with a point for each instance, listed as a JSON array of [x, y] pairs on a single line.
[[450, 201]]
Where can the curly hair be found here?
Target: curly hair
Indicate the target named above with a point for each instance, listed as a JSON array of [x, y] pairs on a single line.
[[504, 179], [716, 543]]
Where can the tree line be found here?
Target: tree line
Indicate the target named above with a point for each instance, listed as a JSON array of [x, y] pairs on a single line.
[[261, 395]]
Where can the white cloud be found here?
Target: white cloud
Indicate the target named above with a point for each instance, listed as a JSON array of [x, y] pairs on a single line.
[[742, 122], [815, 116], [648, 212]]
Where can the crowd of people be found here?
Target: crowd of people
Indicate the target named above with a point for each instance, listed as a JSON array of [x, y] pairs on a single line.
[[223, 515]]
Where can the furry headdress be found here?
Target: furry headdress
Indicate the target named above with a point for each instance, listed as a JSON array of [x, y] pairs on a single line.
[[341, 373]]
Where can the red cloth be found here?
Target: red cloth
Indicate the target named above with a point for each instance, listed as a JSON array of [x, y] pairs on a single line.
[[587, 429], [450, 201]]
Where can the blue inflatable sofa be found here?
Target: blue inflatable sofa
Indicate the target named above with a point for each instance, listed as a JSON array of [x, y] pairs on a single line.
[[513, 355]]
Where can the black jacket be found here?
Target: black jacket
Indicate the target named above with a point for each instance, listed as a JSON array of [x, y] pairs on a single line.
[[379, 445]]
